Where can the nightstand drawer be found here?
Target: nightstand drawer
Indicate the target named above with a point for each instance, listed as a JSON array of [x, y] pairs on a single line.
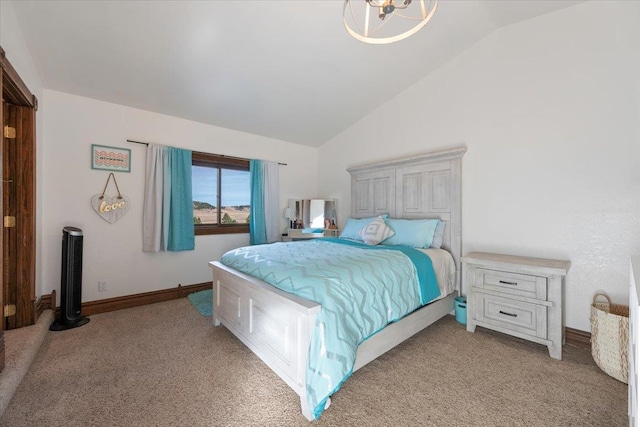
[[520, 316], [512, 283]]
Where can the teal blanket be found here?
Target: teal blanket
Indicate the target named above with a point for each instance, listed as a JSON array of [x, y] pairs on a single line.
[[360, 288]]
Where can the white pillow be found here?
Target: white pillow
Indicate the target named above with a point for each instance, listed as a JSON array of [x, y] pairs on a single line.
[[376, 231]]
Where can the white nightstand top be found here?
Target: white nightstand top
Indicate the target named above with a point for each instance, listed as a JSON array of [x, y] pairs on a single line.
[[550, 266]]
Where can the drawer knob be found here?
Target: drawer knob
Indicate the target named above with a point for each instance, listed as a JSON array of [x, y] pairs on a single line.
[[508, 314], [509, 283]]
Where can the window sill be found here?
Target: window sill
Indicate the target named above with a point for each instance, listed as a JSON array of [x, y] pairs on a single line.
[[204, 230]]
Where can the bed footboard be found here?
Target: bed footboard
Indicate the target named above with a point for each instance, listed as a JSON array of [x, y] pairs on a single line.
[[274, 324], [277, 326]]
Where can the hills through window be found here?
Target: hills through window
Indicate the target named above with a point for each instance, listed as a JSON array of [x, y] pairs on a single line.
[[221, 194]]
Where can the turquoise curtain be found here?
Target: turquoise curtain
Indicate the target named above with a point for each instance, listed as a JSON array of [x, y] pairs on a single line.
[[181, 230], [257, 226], [167, 218], [265, 202]]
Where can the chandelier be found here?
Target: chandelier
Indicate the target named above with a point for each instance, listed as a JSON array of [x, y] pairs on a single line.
[[386, 21]]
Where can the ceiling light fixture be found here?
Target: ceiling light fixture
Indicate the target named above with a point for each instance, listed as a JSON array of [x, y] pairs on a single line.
[[386, 21]]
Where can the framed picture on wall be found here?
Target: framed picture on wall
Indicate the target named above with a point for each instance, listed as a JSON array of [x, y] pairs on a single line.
[[111, 159]]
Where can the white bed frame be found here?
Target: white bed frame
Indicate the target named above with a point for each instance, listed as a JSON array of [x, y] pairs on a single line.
[[277, 326]]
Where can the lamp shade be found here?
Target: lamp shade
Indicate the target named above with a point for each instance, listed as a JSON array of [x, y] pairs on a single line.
[[288, 213]]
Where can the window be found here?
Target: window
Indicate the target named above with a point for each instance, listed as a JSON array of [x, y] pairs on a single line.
[[221, 194]]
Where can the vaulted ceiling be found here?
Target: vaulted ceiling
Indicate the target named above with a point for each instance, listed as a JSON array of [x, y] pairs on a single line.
[[282, 69]]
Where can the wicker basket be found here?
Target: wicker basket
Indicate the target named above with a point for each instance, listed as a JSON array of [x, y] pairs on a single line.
[[610, 337]]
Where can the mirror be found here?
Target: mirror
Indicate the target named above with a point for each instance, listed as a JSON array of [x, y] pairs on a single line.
[[312, 213]]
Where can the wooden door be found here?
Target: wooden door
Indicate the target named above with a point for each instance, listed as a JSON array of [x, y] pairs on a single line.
[[2, 350], [18, 240], [20, 109]]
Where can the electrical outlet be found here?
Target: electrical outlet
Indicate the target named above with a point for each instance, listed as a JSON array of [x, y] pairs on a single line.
[[102, 285]]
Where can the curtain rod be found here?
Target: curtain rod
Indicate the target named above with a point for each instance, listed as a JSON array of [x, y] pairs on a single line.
[[222, 155]]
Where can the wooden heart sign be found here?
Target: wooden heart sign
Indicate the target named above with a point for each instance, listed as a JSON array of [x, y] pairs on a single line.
[[110, 209]]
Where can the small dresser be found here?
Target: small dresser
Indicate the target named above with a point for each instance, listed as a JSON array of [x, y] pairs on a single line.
[[295, 235], [519, 296]]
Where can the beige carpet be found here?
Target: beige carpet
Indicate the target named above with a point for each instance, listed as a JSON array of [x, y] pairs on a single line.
[[165, 365], [21, 347]]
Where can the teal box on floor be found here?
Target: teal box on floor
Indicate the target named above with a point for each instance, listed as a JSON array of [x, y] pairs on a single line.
[[460, 306]]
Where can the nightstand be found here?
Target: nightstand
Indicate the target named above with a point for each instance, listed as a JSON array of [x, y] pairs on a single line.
[[519, 296]]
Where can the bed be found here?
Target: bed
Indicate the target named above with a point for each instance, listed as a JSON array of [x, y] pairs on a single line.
[[279, 326]]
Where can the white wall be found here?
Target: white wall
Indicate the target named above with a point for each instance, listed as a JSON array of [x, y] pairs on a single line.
[[548, 109], [14, 45], [113, 252]]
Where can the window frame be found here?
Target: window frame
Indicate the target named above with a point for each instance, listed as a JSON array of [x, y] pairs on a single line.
[[220, 162]]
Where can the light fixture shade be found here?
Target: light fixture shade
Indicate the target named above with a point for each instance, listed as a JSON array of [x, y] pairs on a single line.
[[386, 21], [288, 213]]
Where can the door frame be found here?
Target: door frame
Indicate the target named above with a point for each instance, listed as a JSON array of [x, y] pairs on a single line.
[[16, 92]]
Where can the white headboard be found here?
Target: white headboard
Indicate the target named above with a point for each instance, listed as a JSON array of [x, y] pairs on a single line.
[[424, 186]]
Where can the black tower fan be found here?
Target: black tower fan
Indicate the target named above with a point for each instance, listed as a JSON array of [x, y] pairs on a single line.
[[71, 282]]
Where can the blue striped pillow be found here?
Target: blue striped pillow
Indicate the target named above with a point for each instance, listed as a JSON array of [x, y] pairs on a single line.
[[353, 226]]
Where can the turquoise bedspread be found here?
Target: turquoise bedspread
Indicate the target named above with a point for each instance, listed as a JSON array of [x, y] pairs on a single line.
[[360, 288]]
